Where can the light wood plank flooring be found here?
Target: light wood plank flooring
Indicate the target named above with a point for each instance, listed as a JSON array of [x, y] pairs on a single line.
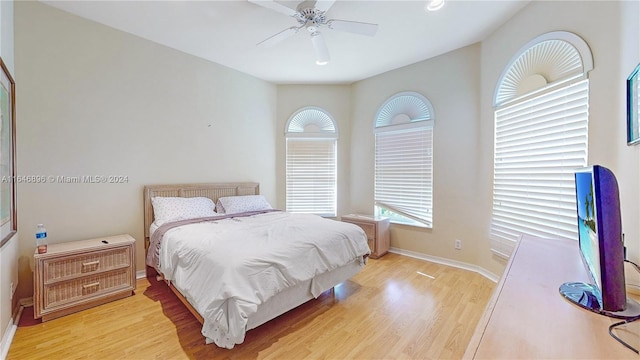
[[387, 311]]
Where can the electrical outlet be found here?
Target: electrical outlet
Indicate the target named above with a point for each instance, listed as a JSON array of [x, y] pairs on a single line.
[[11, 291], [458, 244]]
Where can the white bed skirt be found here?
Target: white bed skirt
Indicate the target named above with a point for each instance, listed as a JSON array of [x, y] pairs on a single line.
[[298, 295]]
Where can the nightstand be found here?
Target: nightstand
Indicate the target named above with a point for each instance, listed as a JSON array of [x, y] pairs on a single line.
[[77, 275], [377, 230]]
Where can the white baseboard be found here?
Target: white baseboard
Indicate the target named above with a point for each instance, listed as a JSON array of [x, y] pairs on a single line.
[[141, 274], [6, 339], [9, 332], [448, 262]]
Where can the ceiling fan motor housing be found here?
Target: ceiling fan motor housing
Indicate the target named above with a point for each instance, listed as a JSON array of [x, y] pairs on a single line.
[[312, 17]]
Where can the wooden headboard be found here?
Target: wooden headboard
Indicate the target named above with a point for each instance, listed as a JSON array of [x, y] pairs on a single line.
[[212, 191]]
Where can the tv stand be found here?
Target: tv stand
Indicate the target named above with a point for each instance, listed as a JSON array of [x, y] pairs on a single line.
[[527, 319], [588, 297]]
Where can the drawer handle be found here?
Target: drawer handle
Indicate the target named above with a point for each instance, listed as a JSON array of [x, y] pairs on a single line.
[[91, 263], [90, 285]]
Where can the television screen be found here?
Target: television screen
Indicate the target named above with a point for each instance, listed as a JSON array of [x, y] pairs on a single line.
[[601, 246], [587, 225]]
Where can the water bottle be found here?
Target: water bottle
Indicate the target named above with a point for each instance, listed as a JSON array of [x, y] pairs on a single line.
[[41, 239]]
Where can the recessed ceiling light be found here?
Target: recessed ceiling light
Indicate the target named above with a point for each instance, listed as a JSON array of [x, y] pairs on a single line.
[[433, 5]]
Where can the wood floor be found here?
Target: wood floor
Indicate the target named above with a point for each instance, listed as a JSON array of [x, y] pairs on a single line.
[[387, 311]]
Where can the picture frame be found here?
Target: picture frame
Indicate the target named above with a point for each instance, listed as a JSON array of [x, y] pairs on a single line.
[[633, 108], [8, 180]]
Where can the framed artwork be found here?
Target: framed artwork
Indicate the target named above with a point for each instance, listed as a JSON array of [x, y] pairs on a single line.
[[8, 222], [633, 110]]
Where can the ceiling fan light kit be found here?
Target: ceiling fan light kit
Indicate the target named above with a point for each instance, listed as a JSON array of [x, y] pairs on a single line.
[[311, 15], [320, 47]]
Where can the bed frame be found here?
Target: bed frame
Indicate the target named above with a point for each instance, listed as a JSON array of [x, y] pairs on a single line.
[[277, 305]]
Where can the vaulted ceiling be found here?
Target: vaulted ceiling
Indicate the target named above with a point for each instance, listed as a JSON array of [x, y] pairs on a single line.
[[226, 32]]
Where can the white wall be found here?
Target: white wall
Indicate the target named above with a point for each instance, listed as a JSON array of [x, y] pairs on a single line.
[[611, 29], [336, 100], [451, 83], [97, 101], [461, 85], [8, 253], [630, 189]]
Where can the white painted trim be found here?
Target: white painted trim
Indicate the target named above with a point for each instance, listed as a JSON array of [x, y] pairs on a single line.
[[7, 338], [488, 274], [141, 274], [448, 262]]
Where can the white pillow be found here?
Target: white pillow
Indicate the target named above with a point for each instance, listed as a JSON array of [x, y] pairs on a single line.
[[240, 204], [167, 209]]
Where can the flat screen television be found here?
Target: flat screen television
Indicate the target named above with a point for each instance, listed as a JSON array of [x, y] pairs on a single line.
[[601, 247]]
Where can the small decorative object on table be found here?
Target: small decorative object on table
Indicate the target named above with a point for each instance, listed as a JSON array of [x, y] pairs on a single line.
[[41, 239]]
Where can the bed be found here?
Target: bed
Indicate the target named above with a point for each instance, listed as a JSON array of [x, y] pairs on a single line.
[[239, 298]]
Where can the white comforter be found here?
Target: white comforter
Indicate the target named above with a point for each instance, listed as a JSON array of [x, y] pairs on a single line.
[[226, 268]]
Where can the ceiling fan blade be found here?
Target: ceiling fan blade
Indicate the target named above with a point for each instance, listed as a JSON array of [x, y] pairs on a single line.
[[284, 34], [320, 47], [272, 5], [353, 27], [324, 5]]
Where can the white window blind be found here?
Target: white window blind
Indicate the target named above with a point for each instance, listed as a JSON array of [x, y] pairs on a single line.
[[404, 171], [539, 143], [311, 176]]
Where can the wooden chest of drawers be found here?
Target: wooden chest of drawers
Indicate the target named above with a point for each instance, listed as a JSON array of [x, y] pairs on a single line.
[[77, 275], [377, 230]]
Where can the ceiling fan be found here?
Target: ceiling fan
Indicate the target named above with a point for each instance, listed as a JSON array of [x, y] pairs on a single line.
[[311, 16]]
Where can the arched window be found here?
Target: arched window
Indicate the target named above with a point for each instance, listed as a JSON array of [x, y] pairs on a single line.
[[311, 136], [403, 131], [541, 120]]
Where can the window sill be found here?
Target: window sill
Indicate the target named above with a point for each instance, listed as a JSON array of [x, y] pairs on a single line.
[[416, 225]]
